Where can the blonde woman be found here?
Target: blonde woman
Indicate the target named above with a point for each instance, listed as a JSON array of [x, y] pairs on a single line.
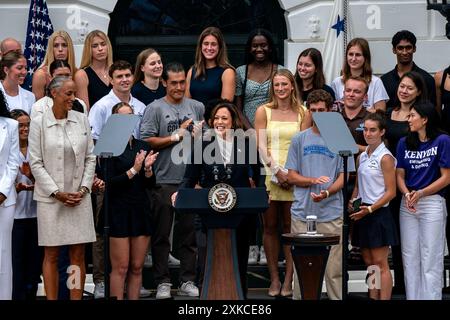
[[212, 76], [60, 47], [92, 80], [276, 123]]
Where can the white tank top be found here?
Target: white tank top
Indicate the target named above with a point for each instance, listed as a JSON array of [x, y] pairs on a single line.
[[371, 185]]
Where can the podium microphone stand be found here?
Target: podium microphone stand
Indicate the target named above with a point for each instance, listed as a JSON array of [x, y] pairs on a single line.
[[339, 140], [112, 142], [221, 279]]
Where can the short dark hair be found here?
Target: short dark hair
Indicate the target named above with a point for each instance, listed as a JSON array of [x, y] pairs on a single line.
[[319, 95], [16, 113], [120, 65], [174, 67], [404, 35], [273, 54], [119, 105], [58, 63], [379, 117], [425, 109], [235, 116]]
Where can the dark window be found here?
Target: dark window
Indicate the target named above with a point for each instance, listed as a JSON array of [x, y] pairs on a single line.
[[173, 26]]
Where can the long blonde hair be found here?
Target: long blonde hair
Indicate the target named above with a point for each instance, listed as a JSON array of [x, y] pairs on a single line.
[[222, 55], [296, 101], [86, 58], [50, 56]]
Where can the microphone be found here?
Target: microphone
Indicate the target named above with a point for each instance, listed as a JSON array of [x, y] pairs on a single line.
[[216, 172]]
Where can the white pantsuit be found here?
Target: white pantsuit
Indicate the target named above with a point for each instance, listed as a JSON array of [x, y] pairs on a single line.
[[423, 245], [9, 166]]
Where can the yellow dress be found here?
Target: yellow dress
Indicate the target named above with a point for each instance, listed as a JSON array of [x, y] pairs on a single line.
[[279, 136]]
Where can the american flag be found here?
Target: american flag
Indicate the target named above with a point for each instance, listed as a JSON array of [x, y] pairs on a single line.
[[38, 30]]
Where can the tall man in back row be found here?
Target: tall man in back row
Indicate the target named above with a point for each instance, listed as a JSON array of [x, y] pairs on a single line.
[[167, 122], [404, 47]]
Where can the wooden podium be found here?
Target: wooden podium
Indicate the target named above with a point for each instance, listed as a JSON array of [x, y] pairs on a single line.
[[310, 255], [221, 280]]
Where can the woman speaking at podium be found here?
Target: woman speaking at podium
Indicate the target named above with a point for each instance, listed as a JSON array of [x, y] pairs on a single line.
[[230, 162]]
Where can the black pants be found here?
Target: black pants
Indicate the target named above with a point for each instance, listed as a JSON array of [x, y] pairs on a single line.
[[184, 236], [26, 259]]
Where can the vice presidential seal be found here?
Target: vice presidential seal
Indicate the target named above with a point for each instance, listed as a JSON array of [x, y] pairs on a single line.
[[222, 197]]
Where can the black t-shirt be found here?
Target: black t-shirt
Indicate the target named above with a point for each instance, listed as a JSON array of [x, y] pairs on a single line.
[[146, 95], [395, 130]]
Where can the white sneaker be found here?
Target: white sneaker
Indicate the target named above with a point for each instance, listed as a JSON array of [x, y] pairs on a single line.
[[163, 291], [99, 290], [148, 262], [144, 293], [262, 257], [189, 289], [173, 261], [253, 254]]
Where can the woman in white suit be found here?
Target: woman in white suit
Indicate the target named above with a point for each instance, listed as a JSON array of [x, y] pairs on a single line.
[[63, 164], [9, 166]]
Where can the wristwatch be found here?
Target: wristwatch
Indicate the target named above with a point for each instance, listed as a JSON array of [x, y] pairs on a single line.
[[84, 190]]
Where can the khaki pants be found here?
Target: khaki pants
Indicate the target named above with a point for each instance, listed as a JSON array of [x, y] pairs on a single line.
[[333, 272]]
